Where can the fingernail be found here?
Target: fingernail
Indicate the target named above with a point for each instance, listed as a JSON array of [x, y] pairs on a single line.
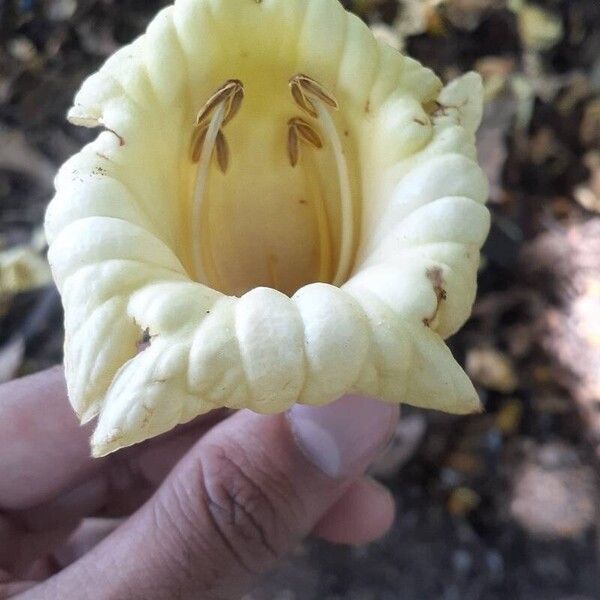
[[343, 437]]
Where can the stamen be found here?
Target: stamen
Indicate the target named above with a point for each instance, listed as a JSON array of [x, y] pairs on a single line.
[[316, 89], [200, 245], [208, 139], [316, 193], [228, 91], [307, 92], [347, 206]]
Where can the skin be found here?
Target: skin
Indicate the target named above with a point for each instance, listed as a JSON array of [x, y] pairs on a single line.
[[200, 512]]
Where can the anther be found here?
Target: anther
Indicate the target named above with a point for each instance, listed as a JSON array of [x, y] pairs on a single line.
[[299, 129], [231, 92], [198, 137], [222, 149], [310, 86]]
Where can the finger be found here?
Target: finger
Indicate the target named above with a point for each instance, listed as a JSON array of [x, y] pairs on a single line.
[[27, 535], [21, 552], [117, 490], [39, 429], [9, 587], [362, 515], [88, 535], [114, 492], [245, 495], [10, 590]]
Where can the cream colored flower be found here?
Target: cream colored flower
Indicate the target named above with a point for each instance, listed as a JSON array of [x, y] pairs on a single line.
[[288, 208]]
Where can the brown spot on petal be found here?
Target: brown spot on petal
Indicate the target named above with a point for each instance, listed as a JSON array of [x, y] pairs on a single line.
[[119, 137], [435, 275]]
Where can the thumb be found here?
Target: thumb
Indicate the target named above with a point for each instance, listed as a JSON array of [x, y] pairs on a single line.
[[243, 497]]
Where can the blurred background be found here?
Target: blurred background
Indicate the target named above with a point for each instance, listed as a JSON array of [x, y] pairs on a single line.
[[497, 506]]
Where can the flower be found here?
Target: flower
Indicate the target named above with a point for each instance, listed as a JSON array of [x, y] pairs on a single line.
[[283, 208]]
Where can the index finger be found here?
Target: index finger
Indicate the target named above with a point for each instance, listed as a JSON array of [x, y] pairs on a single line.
[[44, 452], [43, 446]]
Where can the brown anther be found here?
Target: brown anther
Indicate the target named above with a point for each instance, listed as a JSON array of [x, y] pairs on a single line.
[[233, 105], [222, 149], [299, 129], [229, 90], [435, 276], [300, 99], [309, 87], [293, 145], [198, 137], [306, 132], [119, 137]]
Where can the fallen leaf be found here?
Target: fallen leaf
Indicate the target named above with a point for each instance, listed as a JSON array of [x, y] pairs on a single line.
[[498, 118], [418, 16], [588, 194], [540, 29], [468, 14], [492, 369], [554, 495], [508, 418], [462, 501], [589, 131], [22, 269], [17, 155], [11, 358]]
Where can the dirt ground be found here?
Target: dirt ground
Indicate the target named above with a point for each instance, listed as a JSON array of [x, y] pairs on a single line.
[[496, 506]]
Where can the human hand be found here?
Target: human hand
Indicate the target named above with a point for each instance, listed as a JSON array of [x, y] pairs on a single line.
[[201, 512]]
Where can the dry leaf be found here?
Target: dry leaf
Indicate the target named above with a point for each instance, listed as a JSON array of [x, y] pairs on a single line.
[[462, 501], [589, 132], [467, 14], [22, 269], [492, 151], [540, 29], [554, 495], [18, 156], [418, 16], [11, 358], [588, 195], [492, 369]]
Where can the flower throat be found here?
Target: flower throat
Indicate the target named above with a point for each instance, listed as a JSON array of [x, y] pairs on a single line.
[[316, 164]]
